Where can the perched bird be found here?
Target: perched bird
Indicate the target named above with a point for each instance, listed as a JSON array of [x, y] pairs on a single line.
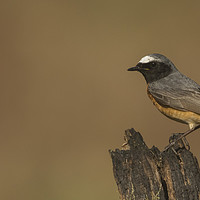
[[174, 94]]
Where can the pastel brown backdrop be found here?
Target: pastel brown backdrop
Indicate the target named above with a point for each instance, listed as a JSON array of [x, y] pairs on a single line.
[[66, 95]]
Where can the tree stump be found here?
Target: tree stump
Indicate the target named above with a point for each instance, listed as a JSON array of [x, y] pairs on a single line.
[[148, 174]]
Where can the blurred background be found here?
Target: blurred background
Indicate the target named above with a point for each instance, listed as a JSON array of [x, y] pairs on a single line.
[[66, 95]]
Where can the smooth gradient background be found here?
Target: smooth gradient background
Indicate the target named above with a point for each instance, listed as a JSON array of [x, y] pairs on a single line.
[[66, 95]]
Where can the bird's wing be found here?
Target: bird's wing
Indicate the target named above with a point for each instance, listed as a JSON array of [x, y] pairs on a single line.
[[185, 100]]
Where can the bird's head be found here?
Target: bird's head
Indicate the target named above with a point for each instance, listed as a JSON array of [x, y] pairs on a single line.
[[154, 67]]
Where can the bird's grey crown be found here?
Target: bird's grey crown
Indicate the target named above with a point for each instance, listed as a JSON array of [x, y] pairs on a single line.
[[155, 57]]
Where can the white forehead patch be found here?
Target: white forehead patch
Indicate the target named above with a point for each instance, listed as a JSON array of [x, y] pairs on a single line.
[[148, 59]]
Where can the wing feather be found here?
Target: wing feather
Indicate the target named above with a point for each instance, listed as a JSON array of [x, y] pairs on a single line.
[[185, 100]]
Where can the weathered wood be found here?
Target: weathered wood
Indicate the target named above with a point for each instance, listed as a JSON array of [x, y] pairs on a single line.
[[142, 173]]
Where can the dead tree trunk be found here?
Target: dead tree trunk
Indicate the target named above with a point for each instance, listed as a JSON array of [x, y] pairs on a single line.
[[148, 174]]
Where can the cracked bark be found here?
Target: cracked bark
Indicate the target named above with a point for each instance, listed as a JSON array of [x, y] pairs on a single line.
[[142, 173]]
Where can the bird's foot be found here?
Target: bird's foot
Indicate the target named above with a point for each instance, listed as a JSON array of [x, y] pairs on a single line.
[[176, 141]]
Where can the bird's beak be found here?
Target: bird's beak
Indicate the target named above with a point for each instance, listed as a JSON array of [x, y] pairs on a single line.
[[136, 68]]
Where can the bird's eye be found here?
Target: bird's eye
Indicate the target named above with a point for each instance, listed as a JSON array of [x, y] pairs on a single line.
[[153, 64]]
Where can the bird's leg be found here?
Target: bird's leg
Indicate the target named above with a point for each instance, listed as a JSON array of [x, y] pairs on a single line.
[[183, 135], [188, 132]]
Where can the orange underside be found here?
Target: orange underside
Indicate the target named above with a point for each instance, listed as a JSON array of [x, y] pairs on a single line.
[[190, 118]]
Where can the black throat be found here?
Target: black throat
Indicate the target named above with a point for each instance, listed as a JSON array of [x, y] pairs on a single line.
[[154, 73]]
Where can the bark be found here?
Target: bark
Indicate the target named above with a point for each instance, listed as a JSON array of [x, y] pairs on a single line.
[[148, 174]]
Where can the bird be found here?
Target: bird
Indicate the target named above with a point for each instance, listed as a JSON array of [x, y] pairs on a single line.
[[173, 94]]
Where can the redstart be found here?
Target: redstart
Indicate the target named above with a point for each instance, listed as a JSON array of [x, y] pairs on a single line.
[[174, 94]]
